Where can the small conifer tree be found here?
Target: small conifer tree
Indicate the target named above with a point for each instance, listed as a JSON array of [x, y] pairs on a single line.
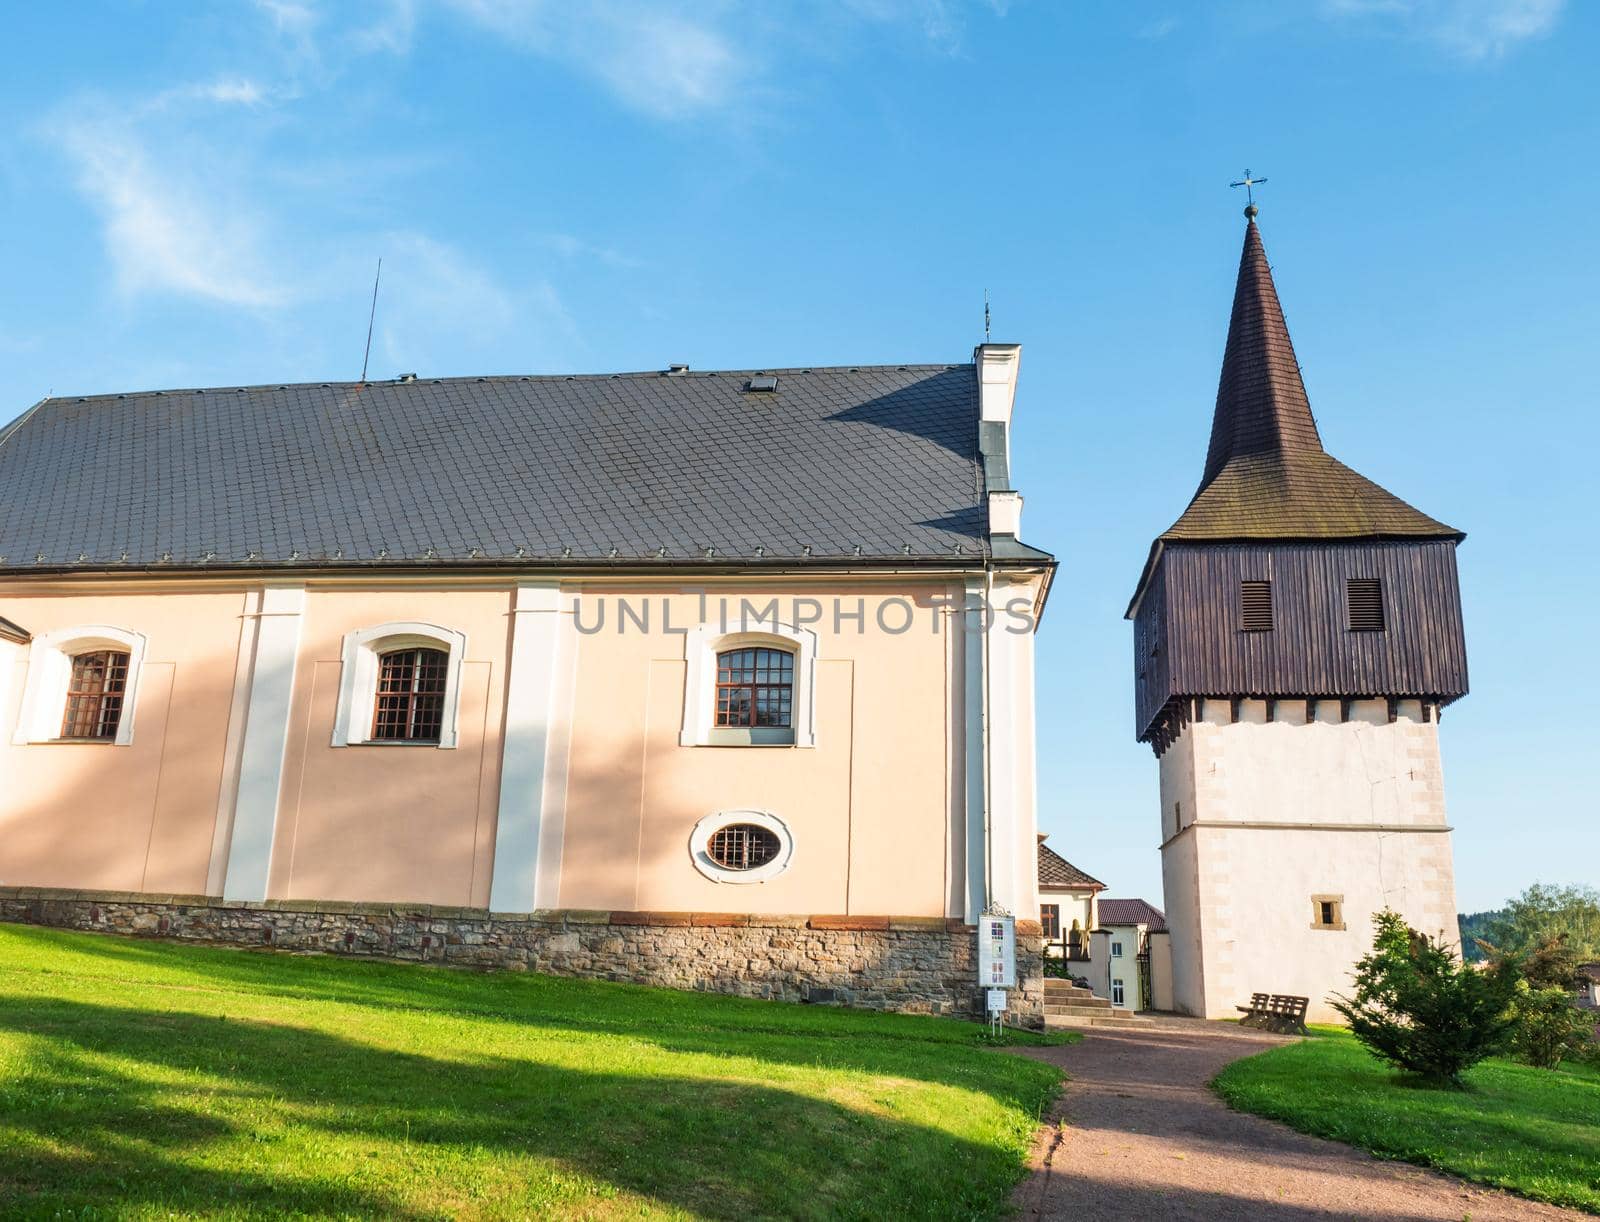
[[1417, 1006]]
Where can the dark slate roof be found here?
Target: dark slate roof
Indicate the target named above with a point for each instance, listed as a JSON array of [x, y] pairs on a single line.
[[868, 463], [1131, 912], [1267, 475], [1056, 871]]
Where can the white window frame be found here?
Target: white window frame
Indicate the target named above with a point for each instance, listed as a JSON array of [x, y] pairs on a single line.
[[44, 695], [358, 680], [1118, 996], [700, 649], [1116, 950], [700, 844]]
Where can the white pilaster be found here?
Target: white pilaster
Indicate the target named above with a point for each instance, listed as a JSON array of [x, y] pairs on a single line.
[[972, 622], [530, 684], [1010, 751], [266, 733], [238, 710]]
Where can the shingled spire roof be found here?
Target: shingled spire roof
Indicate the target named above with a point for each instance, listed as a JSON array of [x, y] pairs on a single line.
[[1267, 475]]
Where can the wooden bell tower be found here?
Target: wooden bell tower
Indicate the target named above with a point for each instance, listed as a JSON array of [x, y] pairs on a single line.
[[1297, 632]]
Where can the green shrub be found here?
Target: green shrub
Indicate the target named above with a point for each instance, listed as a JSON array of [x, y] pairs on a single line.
[[1550, 1027], [1418, 1007]]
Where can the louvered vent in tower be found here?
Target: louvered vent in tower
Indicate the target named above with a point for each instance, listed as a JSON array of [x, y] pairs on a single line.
[[1255, 606], [1364, 600]]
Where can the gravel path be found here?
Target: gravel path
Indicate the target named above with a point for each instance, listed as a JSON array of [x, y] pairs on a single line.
[[1138, 1134]]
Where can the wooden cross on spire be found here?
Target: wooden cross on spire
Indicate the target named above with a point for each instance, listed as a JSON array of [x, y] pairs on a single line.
[[1249, 184]]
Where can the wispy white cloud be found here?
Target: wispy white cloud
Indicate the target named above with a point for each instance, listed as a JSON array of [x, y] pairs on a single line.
[[436, 299], [1158, 28], [569, 247], [667, 59], [1468, 29], [167, 229]]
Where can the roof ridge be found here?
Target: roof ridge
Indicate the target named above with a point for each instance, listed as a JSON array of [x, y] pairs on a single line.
[[911, 367]]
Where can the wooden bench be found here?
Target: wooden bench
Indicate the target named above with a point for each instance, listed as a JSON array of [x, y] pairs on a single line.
[[1278, 1012]]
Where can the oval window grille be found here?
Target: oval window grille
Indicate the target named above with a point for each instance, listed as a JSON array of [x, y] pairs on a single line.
[[743, 846]]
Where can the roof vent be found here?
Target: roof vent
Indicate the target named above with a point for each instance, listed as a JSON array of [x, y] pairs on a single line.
[[406, 377], [762, 384], [677, 369]]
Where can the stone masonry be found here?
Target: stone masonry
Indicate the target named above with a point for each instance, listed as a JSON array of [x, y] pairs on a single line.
[[918, 965]]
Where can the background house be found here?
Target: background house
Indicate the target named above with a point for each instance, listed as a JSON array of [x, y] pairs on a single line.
[[1067, 905], [1129, 959]]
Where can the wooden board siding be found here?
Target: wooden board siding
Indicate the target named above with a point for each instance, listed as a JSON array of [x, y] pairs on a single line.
[[1188, 626]]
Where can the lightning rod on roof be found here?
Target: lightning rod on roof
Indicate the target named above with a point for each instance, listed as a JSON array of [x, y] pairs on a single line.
[[986, 316], [371, 315]]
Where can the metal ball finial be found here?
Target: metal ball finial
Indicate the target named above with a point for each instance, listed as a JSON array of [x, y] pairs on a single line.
[[1251, 211]]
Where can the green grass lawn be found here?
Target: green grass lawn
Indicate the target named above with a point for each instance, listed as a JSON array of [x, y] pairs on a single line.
[[145, 1078], [1532, 1131]]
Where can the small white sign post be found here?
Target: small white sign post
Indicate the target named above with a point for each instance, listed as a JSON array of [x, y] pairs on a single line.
[[997, 961]]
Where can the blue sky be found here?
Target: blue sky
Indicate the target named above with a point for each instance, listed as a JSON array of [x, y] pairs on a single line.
[[196, 195]]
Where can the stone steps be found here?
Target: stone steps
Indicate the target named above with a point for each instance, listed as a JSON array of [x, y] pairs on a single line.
[[1123, 1018], [1087, 1012]]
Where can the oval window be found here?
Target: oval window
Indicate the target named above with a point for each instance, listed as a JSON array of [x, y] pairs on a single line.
[[743, 846]]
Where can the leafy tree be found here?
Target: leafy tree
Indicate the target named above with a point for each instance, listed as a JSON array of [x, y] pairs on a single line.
[[1542, 912], [1550, 1029], [1473, 925], [1550, 964], [1417, 1006]]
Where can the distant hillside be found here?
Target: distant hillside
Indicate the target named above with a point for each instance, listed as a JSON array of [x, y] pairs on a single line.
[[1472, 926]]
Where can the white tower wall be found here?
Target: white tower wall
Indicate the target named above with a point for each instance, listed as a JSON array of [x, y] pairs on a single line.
[[1262, 820]]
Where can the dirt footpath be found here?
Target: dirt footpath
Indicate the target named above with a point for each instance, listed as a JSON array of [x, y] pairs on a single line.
[[1142, 1136]]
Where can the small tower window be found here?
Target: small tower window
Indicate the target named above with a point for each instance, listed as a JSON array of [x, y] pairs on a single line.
[[1364, 602], [1255, 606], [1327, 912]]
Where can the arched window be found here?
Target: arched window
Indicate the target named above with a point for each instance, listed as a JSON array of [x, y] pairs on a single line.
[[400, 683], [410, 697], [82, 686], [755, 687], [749, 687], [96, 686]]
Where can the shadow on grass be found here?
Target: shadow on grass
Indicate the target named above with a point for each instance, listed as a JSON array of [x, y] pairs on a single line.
[[673, 1020], [130, 1107]]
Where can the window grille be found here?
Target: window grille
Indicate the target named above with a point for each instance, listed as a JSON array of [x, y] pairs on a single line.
[[755, 687], [410, 698], [743, 846], [94, 694], [1364, 599], [1255, 606]]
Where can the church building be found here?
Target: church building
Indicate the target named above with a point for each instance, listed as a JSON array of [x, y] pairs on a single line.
[[1297, 633], [719, 680]]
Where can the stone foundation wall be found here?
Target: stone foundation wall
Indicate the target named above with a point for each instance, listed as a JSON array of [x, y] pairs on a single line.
[[920, 965]]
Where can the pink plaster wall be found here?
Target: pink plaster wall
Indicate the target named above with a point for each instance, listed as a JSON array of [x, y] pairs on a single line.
[[389, 822], [869, 806], [138, 817]]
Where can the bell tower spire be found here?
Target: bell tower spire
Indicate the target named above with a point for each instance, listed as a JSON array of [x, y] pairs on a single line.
[[1262, 408]]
